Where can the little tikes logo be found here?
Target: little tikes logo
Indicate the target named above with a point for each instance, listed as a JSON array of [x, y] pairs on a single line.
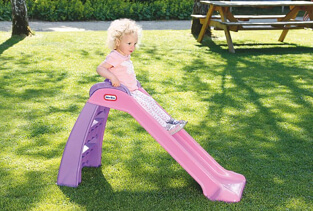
[[110, 97]]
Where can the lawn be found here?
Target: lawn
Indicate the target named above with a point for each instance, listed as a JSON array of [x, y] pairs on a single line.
[[251, 111]]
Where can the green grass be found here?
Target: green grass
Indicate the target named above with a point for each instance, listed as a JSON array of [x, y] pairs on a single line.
[[252, 111]]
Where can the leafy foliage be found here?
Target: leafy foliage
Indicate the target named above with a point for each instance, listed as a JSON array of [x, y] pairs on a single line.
[[76, 10], [5, 10]]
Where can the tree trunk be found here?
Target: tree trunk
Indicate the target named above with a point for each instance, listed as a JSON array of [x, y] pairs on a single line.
[[199, 9], [19, 18]]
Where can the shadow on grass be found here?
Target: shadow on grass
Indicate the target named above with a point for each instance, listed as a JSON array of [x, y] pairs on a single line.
[[281, 48], [96, 193], [10, 42], [264, 144], [25, 192]]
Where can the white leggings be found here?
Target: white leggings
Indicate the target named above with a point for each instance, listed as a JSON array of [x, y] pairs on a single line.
[[150, 105]]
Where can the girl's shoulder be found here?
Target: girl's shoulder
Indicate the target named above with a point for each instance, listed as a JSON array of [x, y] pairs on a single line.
[[115, 58], [118, 54]]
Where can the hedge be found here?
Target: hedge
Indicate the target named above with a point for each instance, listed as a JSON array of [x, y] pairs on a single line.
[[5, 10], [102, 10]]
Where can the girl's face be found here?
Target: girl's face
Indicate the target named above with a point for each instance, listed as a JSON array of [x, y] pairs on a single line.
[[127, 44]]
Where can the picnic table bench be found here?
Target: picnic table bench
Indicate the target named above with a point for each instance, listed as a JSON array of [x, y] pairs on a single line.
[[227, 21]]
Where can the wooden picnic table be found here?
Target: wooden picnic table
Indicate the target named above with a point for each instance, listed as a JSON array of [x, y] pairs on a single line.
[[227, 21]]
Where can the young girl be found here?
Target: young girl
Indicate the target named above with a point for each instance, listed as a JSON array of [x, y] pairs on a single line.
[[123, 37]]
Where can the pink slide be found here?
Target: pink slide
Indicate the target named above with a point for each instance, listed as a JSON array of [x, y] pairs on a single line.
[[216, 182]]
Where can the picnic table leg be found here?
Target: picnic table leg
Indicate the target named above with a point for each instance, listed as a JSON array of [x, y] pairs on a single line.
[[206, 23], [229, 41], [291, 15], [224, 12], [283, 35]]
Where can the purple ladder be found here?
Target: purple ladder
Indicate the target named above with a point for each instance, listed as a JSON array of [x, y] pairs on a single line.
[[84, 145]]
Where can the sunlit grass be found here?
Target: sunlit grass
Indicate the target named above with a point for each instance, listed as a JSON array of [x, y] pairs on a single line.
[[252, 111]]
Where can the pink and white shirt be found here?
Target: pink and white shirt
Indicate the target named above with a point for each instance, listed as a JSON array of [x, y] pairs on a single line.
[[123, 69]]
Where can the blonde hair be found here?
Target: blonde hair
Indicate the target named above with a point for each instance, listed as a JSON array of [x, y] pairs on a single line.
[[121, 27]]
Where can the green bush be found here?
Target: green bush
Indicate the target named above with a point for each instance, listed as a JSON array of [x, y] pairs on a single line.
[[5, 10], [104, 10]]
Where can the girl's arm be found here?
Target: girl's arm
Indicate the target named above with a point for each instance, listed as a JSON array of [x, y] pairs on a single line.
[[103, 70]]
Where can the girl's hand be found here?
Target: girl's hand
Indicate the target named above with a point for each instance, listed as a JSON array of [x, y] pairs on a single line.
[[103, 70], [115, 82]]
